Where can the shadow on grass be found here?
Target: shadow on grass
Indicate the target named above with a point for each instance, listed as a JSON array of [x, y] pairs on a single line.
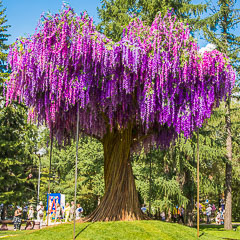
[[84, 229], [217, 228]]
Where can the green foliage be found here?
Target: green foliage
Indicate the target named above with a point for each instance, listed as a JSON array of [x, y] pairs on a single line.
[[16, 144], [116, 14], [157, 180], [16, 138], [90, 181], [3, 46], [218, 29]]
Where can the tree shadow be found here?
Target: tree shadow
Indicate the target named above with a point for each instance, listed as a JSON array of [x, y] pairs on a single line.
[[84, 229]]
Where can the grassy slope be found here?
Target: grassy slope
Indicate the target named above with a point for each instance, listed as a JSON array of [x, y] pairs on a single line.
[[121, 230]]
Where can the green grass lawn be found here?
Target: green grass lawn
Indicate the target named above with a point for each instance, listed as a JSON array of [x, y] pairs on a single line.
[[123, 230]]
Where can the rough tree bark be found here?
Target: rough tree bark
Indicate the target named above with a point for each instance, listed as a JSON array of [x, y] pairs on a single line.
[[120, 201], [228, 180]]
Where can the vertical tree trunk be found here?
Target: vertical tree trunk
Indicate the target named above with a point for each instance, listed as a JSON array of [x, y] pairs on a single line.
[[120, 201], [228, 181]]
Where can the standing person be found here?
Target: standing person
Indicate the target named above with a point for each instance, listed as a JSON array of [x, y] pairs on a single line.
[[222, 204], [17, 221], [221, 216], [40, 211], [67, 212], [79, 211], [24, 213], [181, 214], [175, 211], [58, 212], [208, 213], [31, 213], [72, 211]]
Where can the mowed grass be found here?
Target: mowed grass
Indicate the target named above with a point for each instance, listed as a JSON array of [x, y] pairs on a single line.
[[138, 230], [218, 231]]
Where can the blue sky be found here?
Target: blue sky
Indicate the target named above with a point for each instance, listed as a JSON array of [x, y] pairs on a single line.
[[23, 15]]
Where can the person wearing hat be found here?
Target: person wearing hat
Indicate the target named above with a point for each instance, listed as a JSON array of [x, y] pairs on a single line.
[[40, 210], [17, 221]]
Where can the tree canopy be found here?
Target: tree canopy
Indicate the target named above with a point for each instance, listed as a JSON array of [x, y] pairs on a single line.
[[154, 78]]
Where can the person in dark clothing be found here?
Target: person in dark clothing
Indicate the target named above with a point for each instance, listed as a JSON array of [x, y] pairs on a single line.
[[181, 214]]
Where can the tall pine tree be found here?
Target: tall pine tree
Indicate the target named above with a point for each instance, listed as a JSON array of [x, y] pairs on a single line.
[[116, 14], [16, 137], [3, 45], [218, 29]]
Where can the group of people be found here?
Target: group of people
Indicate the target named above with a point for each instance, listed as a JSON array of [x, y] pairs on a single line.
[[212, 213], [18, 215], [207, 211], [178, 214], [68, 212], [58, 214]]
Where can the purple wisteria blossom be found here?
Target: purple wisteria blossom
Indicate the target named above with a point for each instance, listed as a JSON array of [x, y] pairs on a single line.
[[154, 77]]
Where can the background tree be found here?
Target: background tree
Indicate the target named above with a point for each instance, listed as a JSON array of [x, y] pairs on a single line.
[[3, 46], [90, 186], [218, 30], [115, 15], [16, 138]]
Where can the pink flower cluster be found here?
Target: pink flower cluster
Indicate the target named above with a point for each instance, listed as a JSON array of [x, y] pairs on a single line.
[[154, 77]]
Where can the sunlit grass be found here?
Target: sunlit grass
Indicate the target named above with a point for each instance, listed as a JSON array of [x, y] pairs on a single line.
[[137, 230]]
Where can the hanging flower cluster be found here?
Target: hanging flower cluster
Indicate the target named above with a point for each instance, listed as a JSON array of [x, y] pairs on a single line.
[[154, 77]]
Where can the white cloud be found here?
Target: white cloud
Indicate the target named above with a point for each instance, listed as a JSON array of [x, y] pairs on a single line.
[[210, 47]]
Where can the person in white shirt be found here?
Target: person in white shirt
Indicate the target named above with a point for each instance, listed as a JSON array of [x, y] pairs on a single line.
[[40, 210], [208, 213], [31, 213], [72, 211]]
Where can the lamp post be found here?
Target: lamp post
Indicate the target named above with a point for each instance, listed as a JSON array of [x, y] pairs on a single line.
[[39, 153]]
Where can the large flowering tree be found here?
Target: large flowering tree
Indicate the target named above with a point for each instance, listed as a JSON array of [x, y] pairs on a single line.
[[141, 91]]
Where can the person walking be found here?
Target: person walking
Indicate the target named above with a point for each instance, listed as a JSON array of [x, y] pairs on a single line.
[[40, 213], [17, 221], [67, 212]]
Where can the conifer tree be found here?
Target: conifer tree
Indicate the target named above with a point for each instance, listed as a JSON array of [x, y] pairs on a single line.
[[16, 137], [3, 45], [116, 14], [218, 30]]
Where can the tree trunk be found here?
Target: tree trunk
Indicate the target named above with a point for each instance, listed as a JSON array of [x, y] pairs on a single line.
[[120, 201], [228, 181]]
